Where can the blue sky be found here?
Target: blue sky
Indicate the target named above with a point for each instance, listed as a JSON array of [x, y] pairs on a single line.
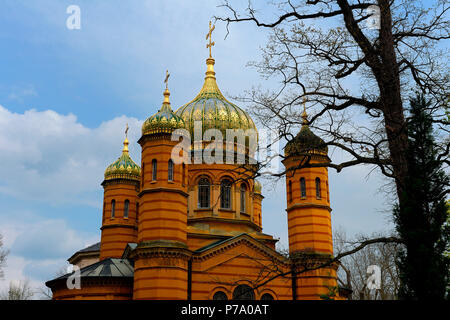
[[66, 95]]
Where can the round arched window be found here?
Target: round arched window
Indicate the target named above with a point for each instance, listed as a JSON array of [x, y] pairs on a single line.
[[267, 296], [220, 295], [243, 292]]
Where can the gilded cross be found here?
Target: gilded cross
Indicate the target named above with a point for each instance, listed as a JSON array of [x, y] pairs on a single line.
[[209, 35], [126, 131], [166, 81]]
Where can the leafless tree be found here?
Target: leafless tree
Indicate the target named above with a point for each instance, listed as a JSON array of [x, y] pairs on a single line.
[[18, 291], [353, 268], [354, 78], [3, 255]]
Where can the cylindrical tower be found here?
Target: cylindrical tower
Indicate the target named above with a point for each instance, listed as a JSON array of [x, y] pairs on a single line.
[[161, 257], [309, 213], [257, 203], [120, 205]]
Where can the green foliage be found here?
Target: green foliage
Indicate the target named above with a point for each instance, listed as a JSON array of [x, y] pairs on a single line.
[[333, 293], [422, 213]]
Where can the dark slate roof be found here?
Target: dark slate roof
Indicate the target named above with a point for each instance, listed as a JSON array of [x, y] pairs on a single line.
[[118, 268], [128, 249], [92, 248], [211, 245]]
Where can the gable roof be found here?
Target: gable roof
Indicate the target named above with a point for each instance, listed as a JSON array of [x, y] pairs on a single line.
[[219, 246]]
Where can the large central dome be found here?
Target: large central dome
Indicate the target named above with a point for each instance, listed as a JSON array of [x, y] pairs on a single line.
[[213, 109]]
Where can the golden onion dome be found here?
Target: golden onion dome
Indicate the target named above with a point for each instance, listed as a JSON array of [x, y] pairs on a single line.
[[213, 109], [306, 142], [257, 187], [124, 167], [164, 121]]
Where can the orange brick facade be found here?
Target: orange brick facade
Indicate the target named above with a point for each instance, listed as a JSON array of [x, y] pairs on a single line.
[[181, 248]]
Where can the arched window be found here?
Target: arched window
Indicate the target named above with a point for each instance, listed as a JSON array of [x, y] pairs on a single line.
[[184, 175], [302, 187], [137, 211], [290, 191], [243, 292], [154, 169], [203, 193], [220, 295], [143, 174], [243, 191], [318, 194], [267, 296], [104, 210], [170, 171], [113, 209], [126, 208], [225, 194]]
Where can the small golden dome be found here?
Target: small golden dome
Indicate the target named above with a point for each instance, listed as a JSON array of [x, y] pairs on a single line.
[[124, 167], [306, 142], [164, 121]]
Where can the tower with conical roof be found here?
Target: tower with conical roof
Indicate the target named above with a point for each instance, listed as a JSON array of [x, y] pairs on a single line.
[[309, 212], [120, 204], [161, 255]]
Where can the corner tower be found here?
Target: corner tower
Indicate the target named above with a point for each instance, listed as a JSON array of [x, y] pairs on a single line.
[[161, 256], [120, 205], [309, 212]]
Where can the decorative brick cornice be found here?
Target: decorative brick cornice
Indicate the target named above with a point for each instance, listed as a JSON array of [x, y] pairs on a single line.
[[309, 205], [161, 189], [117, 181], [161, 249], [225, 220]]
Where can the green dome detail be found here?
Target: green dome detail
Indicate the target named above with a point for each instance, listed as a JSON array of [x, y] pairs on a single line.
[[124, 167], [164, 121], [213, 109], [306, 142]]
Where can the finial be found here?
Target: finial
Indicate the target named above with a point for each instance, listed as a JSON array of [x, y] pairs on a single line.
[[209, 35], [166, 92], [125, 143], [166, 81], [304, 114]]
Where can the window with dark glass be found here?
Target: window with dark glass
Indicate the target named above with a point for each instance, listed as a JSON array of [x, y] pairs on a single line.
[[154, 169], [243, 292], [203, 193], [143, 175], [243, 191], [267, 296], [170, 171], [137, 211], [303, 187], [225, 194], [126, 208], [113, 209], [290, 191], [220, 295], [318, 193]]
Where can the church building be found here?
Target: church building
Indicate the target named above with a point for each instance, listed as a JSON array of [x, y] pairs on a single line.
[[193, 230]]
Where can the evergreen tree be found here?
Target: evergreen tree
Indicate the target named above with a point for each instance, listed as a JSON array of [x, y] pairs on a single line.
[[421, 218]]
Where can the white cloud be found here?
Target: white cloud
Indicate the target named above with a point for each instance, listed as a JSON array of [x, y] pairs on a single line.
[[39, 248], [53, 158]]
